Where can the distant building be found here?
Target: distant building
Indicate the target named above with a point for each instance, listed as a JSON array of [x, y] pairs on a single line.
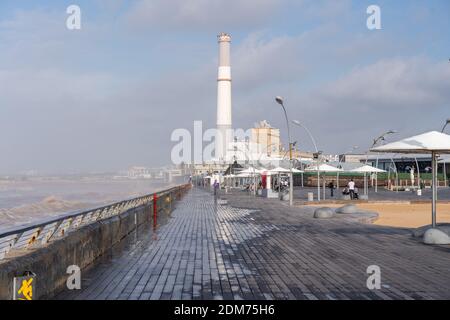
[[266, 139], [209, 168], [263, 143], [402, 163], [352, 157], [139, 173]]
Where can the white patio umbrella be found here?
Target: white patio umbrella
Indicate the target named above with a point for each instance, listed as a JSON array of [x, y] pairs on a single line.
[[252, 173], [367, 169], [243, 175], [280, 170], [432, 142], [323, 168], [250, 170]]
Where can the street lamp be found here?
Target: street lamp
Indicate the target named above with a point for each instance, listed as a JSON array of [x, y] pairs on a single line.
[[298, 123], [446, 123], [375, 142], [382, 137], [279, 100]]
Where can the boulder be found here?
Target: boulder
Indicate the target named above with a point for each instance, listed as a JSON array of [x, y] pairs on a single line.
[[419, 232], [436, 236], [323, 213], [349, 208]]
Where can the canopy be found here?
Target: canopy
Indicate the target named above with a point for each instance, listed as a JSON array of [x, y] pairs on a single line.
[[280, 170], [367, 169], [296, 171], [323, 168], [243, 175], [250, 170], [428, 142]]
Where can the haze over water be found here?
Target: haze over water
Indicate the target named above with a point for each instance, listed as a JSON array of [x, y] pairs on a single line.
[[22, 202]]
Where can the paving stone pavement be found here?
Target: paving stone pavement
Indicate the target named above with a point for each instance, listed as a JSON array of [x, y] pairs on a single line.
[[241, 247]]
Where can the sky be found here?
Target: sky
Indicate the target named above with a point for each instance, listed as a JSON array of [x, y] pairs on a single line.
[[108, 96]]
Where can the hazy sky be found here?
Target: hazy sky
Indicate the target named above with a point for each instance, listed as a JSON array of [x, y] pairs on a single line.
[[109, 95]]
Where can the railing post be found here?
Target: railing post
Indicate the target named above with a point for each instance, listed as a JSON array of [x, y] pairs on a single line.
[[155, 209]]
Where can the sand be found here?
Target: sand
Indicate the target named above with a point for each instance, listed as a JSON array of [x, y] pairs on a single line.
[[404, 215], [407, 215]]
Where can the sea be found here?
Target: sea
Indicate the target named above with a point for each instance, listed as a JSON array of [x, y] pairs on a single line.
[[27, 201]]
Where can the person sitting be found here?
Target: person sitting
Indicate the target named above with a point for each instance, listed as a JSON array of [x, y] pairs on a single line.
[[345, 191]]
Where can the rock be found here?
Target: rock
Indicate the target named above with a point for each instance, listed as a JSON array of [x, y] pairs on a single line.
[[323, 213], [436, 236], [419, 232], [349, 208]]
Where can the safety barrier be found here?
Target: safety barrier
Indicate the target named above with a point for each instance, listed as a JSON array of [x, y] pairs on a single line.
[[47, 247], [34, 235]]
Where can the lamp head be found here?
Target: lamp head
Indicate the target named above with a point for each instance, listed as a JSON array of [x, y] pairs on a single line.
[[279, 100]]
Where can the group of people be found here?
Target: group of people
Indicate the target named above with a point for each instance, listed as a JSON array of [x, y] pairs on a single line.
[[350, 189], [281, 185]]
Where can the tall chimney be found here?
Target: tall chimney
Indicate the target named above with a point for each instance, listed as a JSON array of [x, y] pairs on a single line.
[[223, 97]]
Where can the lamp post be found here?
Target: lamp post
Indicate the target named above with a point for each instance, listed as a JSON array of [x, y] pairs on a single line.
[[298, 123], [375, 142], [280, 101], [444, 164], [445, 125]]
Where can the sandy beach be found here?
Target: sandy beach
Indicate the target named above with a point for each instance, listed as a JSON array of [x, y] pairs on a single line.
[[407, 215], [404, 215]]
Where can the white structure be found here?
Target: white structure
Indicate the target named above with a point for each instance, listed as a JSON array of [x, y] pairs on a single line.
[[434, 143], [225, 135]]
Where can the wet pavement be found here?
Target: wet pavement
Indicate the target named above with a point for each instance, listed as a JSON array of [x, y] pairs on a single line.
[[241, 247]]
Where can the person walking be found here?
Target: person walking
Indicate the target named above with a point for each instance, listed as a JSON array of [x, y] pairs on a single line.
[[331, 186], [351, 189], [216, 188]]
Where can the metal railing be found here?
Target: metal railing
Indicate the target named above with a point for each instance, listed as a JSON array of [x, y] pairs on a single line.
[[45, 231]]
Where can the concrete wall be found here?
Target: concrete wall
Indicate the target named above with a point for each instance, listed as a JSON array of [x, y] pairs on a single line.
[[80, 247]]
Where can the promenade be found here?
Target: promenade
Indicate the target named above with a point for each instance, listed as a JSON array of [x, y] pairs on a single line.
[[242, 247]]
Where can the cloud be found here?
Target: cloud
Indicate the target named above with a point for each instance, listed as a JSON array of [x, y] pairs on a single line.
[[109, 97], [259, 61], [393, 83], [200, 14], [408, 95]]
